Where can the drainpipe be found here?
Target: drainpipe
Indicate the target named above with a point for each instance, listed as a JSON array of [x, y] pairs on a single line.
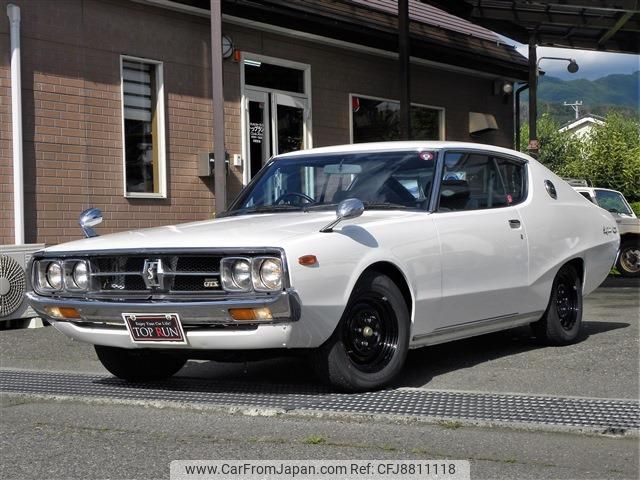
[[13, 12], [533, 97], [517, 115], [217, 97]]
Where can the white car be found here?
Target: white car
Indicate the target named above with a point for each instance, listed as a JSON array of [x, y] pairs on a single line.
[[354, 254], [628, 262]]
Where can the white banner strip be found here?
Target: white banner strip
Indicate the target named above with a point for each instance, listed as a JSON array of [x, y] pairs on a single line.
[[320, 469]]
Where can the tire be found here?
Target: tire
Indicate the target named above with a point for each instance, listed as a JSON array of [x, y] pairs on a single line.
[[562, 321], [369, 346], [136, 365], [628, 263]]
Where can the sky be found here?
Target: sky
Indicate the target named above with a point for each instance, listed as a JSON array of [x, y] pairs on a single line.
[[592, 64]]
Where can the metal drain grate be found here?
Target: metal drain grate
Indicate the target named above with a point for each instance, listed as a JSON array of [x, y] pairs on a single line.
[[601, 414]]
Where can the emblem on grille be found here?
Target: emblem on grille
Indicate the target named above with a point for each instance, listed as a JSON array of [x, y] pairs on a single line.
[[211, 283], [153, 273]]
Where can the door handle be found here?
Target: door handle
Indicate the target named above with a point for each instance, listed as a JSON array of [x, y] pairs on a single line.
[[514, 223]]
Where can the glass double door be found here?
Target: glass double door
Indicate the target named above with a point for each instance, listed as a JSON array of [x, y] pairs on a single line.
[[276, 123]]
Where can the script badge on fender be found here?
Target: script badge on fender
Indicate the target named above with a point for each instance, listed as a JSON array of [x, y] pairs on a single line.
[[154, 328]]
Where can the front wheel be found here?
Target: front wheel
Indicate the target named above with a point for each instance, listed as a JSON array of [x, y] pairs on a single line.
[[628, 263], [137, 365], [561, 322], [369, 346]]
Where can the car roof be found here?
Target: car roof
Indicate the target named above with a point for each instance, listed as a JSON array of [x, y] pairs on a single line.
[[593, 189], [407, 145]]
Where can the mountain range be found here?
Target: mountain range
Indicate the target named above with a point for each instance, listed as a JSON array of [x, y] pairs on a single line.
[[620, 92]]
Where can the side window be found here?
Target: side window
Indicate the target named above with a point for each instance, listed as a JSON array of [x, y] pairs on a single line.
[[514, 179], [473, 181]]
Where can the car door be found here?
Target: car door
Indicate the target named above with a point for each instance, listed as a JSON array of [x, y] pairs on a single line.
[[482, 237]]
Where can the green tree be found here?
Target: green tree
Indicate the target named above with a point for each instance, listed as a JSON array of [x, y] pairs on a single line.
[[556, 148], [610, 157]]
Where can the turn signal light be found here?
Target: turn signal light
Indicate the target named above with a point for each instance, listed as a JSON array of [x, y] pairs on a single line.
[[250, 313], [308, 260], [62, 312]]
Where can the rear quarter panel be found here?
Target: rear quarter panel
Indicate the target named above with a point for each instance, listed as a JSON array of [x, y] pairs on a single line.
[[560, 230]]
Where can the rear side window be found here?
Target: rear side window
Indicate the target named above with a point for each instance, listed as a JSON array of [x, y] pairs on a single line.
[[473, 181], [586, 195]]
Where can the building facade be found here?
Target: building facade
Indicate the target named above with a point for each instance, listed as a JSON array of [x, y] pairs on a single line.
[[117, 101]]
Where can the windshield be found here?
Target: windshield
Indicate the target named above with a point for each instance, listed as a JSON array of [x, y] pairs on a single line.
[[400, 179], [613, 202]]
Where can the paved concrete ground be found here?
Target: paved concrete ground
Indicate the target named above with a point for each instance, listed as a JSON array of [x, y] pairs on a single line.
[[48, 438]]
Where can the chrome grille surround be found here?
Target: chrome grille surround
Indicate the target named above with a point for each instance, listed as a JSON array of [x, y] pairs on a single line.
[[167, 274]]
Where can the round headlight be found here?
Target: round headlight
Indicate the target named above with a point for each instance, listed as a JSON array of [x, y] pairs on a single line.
[[271, 274], [54, 275], [80, 275], [241, 274]]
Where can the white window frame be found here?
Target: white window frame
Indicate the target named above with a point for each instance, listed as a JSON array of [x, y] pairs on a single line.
[[161, 140], [441, 111], [308, 132]]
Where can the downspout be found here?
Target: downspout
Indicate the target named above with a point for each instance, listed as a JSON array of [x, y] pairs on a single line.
[[13, 12], [217, 98], [517, 114]]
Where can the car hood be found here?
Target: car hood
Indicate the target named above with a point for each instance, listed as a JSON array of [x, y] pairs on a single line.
[[261, 230]]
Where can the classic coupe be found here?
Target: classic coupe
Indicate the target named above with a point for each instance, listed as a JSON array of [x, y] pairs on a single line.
[[353, 254]]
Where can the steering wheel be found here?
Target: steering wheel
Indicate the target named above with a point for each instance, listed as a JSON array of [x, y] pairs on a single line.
[[282, 198]]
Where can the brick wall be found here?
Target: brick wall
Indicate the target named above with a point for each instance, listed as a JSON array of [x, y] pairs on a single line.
[[73, 119], [336, 72]]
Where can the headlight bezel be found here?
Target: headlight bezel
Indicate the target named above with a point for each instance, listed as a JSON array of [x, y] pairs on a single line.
[[256, 281], [42, 284], [257, 275], [71, 282], [47, 274], [227, 279]]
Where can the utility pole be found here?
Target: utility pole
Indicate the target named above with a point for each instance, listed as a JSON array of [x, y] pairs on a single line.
[[576, 107]]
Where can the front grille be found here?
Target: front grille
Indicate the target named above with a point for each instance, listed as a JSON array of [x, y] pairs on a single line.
[[166, 274]]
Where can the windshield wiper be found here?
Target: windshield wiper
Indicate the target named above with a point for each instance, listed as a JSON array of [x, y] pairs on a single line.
[[384, 206], [318, 206], [263, 209]]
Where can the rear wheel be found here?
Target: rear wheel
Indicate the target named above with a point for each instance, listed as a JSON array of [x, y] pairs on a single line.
[[628, 263], [138, 365], [561, 322], [369, 346]]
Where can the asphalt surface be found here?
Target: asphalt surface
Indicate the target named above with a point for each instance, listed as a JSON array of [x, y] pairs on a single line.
[[44, 437]]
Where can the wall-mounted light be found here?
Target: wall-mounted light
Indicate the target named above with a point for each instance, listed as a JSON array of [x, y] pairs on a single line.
[[573, 66], [502, 87]]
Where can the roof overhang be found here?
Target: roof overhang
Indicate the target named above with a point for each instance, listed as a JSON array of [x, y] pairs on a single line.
[[607, 25], [357, 23]]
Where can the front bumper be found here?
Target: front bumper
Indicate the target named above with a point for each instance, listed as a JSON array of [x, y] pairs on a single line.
[[207, 324]]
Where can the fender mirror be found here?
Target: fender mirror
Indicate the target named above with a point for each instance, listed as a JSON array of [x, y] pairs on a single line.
[[348, 208], [89, 219]]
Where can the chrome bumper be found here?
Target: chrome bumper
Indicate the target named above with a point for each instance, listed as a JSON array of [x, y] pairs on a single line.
[[101, 322]]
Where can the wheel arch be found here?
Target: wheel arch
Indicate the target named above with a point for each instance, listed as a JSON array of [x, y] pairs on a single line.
[[397, 276], [578, 264], [629, 237]]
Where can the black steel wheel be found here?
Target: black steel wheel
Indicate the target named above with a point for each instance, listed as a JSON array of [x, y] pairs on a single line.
[[370, 333], [139, 365], [562, 321], [368, 348]]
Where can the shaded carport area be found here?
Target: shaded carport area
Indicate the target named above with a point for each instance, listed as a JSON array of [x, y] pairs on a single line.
[[603, 25]]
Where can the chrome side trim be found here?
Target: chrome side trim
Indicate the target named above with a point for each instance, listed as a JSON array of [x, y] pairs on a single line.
[[472, 329]]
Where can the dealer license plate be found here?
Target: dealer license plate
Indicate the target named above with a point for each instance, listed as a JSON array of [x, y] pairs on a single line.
[[154, 327]]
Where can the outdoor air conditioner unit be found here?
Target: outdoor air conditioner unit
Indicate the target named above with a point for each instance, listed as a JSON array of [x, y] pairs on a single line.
[[13, 281]]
